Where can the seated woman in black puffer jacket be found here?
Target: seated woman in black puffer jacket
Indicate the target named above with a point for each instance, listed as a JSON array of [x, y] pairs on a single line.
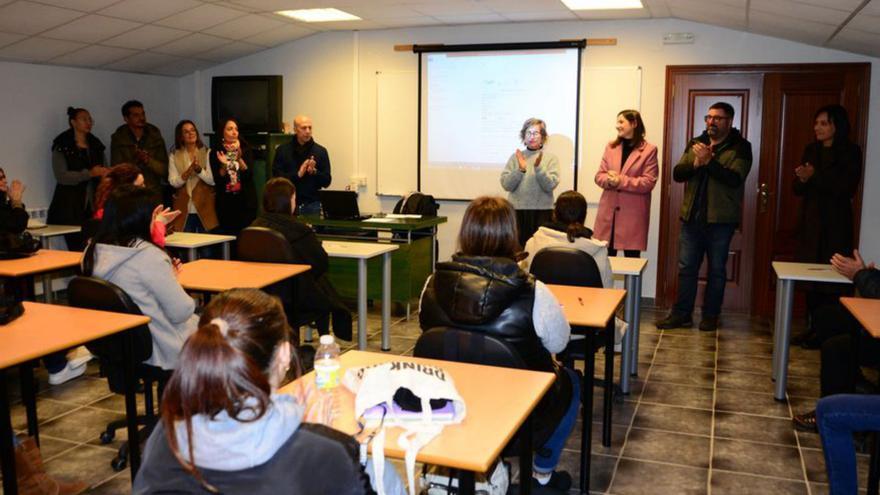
[[483, 290]]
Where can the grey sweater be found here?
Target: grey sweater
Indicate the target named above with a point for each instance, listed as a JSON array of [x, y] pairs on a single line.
[[145, 273], [532, 189]]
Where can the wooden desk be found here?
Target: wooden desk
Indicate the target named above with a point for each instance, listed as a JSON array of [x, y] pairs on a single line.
[[221, 275], [191, 241], [363, 251], [631, 269], [42, 263], [494, 412], [788, 274], [44, 329], [590, 310], [49, 231], [867, 311]]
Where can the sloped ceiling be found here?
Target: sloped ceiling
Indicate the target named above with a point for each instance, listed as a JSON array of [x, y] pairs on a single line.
[[177, 37]]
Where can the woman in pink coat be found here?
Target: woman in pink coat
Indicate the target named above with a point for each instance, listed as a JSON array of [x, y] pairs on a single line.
[[627, 174]]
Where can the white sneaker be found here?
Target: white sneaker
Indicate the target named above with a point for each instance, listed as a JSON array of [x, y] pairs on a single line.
[[79, 357], [68, 373]]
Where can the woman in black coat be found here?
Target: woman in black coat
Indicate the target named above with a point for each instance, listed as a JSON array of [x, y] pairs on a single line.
[[827, 181], [77, 159], [235, 196]]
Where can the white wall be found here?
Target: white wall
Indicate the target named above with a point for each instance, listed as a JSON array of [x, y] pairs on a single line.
[[35, 101], [325, 73]]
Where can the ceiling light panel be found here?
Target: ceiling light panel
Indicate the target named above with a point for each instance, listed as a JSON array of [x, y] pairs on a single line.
[[319, 15]]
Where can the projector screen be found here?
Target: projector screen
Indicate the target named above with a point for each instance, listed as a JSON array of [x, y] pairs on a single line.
[[472, 106]]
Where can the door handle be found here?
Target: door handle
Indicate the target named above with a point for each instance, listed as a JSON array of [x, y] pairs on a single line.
[[763, 197]]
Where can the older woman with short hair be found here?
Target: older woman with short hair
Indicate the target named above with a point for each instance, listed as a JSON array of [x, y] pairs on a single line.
[[530, 177]]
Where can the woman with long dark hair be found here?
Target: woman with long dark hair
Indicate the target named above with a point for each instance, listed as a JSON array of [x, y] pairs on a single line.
[[627, 175], [189, 172], [567, 229], [78, 164], [224, 427], [233, 182], [826, 181], [123, 252], [484, 290]]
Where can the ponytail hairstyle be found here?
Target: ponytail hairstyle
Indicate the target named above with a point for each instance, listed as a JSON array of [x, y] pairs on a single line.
[[128, 215], [571, 211], [226, 365], [124, 173]]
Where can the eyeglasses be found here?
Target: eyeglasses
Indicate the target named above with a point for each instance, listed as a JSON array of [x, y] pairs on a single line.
[[715, 118], [533, 133]]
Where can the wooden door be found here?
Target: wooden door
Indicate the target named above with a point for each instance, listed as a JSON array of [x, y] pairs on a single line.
[[690, 92], [791, 98]]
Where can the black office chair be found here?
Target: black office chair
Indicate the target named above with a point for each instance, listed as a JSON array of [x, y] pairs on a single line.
[[570, 266], [269, 246], [94, 293]]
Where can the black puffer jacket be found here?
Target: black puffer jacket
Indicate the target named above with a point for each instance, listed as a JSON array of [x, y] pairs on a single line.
[[494, 296], [868, 283]]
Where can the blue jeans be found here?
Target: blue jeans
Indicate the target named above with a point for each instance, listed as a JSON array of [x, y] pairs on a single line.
[[713, 241], [553, 446], [838, 416], [193, 224], [313, 208]]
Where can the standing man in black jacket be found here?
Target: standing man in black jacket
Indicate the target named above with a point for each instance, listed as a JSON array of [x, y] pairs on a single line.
[[305, 163]]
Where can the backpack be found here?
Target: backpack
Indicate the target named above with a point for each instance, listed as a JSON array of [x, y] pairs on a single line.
[[416, 203]]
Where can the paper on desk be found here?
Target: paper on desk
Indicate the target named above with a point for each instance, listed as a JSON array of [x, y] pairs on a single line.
[[402, 215], [380, 220]]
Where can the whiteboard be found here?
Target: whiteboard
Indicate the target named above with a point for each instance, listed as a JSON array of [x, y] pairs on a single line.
[[397, 124], [605, 91]]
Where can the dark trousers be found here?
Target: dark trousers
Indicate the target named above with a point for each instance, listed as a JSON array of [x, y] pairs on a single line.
[[627, 253], [528, 221], [696, 241], [842, 355]]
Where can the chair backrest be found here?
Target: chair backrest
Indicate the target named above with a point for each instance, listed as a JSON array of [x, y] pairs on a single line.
[[95, 293], [566, 266], [464, 346], [263, 244]]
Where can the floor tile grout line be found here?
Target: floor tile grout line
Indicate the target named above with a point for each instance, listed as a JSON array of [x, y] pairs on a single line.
[[800, 451], [712, 425], [756, 475], [633, 419]]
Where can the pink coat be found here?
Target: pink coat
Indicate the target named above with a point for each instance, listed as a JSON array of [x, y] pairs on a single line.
[[632, 198]]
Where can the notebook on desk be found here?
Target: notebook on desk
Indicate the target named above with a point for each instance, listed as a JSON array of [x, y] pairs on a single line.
[[340, 205]]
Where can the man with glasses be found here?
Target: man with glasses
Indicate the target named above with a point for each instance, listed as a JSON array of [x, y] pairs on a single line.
[[714, 167]]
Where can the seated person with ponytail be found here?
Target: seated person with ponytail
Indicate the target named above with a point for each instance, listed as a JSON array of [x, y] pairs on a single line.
[[314, 291], [224, 427], [567, 230], [484, 290], [123, 252]]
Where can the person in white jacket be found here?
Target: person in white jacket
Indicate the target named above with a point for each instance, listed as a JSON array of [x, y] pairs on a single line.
[[567, 230], [123, 253]]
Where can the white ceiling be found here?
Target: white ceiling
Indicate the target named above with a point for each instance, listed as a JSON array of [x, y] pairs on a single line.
[[176, 37]]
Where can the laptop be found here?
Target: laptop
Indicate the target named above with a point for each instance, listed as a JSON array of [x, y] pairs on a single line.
[[340, 205]]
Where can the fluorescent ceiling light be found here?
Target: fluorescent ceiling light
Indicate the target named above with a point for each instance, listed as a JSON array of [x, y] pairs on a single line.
[[602, 4], [320, 15]]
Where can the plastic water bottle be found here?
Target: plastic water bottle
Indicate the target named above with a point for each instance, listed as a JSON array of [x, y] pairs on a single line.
[[327, 365]]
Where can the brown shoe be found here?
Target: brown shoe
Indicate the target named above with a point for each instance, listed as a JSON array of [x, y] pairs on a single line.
[[806, 422], [32, 477]]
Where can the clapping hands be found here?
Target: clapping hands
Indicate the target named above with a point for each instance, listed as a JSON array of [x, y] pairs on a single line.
[[164, 215], [805, 171], [848, 267]]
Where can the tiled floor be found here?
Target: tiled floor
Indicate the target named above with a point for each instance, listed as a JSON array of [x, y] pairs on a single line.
[[701, 419]]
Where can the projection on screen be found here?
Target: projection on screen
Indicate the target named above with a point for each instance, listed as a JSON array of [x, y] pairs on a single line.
[[473, 105]]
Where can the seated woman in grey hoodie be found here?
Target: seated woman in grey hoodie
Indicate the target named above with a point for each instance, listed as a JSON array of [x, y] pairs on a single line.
[[123, 253], [226, 429], [567, 230]]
